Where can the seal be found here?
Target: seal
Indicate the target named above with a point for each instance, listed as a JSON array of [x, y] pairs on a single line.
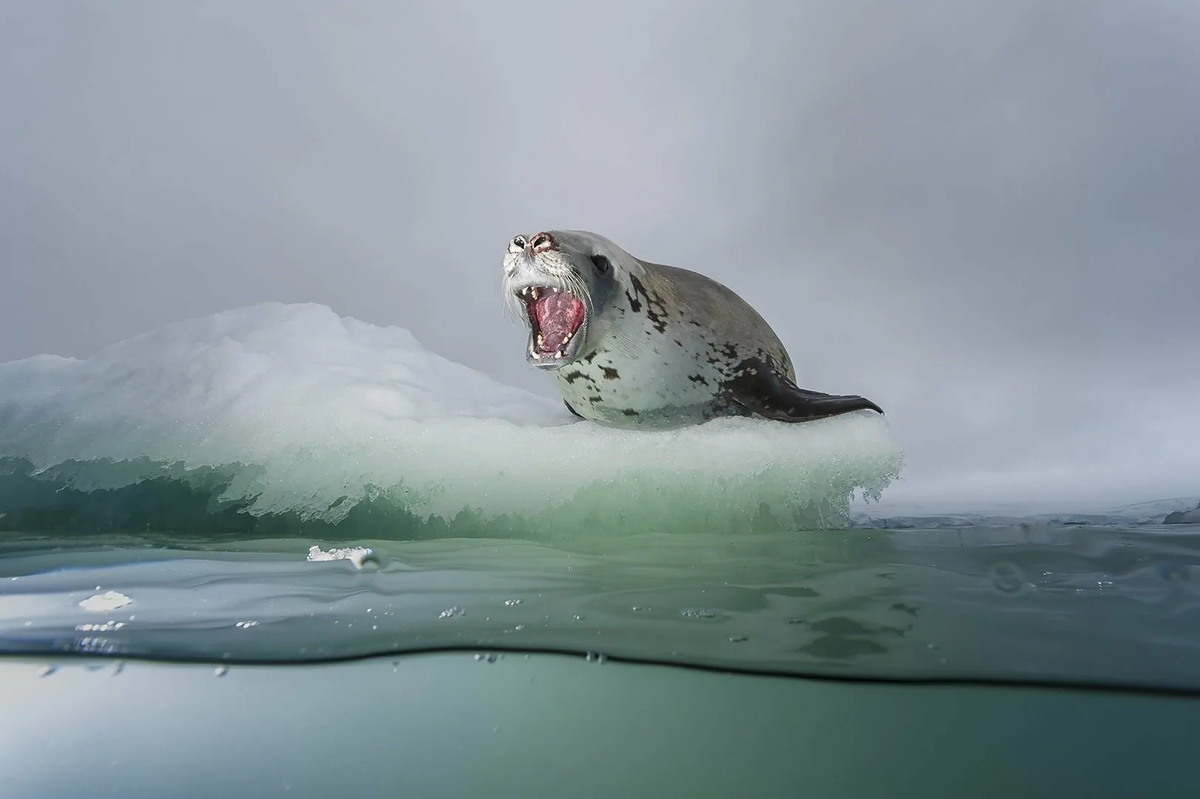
[[635, 344]]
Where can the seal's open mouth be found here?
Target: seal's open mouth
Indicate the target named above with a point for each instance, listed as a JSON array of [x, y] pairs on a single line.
[[555, 316]]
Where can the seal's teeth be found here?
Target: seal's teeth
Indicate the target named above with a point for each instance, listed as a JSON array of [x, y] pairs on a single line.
[[534, 291], [541, 340]]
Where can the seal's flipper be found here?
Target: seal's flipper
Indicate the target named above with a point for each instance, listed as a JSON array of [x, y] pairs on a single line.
[[572, 410], [766, 392]]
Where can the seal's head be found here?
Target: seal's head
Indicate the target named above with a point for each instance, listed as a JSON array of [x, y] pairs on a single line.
[[560, 282]]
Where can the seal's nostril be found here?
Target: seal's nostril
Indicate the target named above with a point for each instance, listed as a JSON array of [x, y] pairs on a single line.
[[542, 242], [519, 242]]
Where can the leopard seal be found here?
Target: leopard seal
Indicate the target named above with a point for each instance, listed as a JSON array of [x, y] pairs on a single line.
[[634, 344]]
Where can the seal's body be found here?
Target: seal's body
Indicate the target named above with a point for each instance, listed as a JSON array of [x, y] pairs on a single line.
[[635, 344]]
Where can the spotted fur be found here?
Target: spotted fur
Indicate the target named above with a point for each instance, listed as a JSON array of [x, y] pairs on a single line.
[[660, 346]]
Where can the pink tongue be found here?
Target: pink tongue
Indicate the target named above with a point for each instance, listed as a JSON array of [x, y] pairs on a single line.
[[558, 316]]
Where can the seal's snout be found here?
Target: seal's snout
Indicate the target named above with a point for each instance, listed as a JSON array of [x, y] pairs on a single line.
[[539, 243]]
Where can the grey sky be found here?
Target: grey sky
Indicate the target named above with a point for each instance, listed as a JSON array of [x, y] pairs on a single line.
[[984, 216]]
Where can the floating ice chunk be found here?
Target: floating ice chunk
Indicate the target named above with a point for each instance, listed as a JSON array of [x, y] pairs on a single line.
[[289, 410], [356, 555], [102, 603]]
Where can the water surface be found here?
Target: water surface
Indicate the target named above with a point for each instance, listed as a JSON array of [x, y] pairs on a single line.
[[1079, 605]]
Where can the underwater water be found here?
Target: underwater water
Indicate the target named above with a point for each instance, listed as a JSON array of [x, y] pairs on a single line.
[[276, 489]]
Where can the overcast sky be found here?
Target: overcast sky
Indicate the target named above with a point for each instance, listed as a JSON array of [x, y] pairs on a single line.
[[984, 216]]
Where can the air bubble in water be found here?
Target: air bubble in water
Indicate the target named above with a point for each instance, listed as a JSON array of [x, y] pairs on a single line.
[[1006, 578], [1174, 573], [512, 603], [452, 612], [596, 657], [221, 671]]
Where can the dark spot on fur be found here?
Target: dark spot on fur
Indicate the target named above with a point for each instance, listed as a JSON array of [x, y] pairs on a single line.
[[571, 377], [610, 373], [633, 302], [680, 343], [698, 379], [595, 399], [658, 318], [629, 412], [590, 357]]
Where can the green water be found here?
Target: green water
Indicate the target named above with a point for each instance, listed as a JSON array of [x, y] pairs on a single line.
[[456, 725], [1021, 660]]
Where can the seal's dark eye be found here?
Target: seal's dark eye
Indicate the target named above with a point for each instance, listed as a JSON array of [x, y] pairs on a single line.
[[601, 263]]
